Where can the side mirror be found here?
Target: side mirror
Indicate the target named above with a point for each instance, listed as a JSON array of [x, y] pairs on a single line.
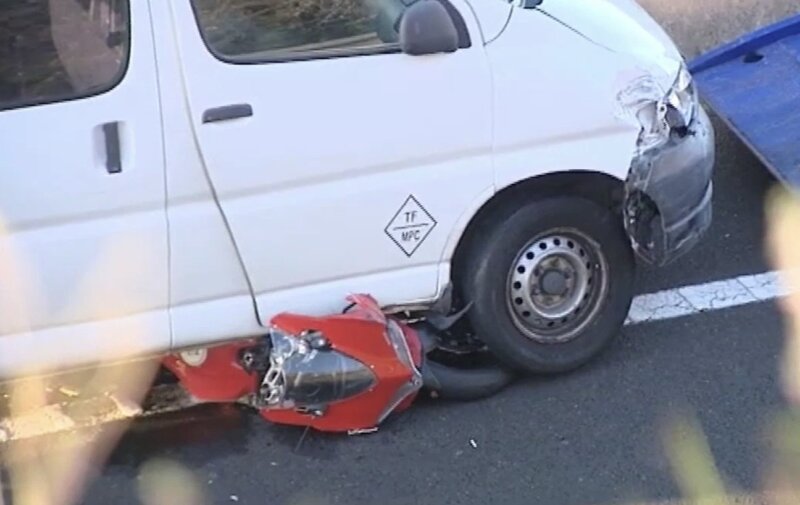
[[427, 28]]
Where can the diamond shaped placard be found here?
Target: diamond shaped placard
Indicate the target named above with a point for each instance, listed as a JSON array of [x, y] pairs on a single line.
[[410, 226]]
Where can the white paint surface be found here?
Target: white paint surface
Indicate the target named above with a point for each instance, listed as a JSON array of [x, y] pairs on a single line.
[[689, 300]]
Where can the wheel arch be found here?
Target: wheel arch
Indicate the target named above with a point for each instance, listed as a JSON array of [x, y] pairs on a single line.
[[599, 187]]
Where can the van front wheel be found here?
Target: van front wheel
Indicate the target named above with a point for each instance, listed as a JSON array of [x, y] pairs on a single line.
[[550, 282]]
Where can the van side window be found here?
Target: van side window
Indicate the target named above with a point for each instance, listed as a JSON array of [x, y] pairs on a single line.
[[58, 50], [274, 30]]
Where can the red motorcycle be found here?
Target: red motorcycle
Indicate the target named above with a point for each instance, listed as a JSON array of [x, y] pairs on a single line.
[[346, 372]]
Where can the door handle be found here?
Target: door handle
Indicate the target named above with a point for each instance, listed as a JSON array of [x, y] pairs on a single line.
[[227, 112], [113, 154]]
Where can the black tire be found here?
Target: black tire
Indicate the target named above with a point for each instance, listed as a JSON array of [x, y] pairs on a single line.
[[486, 281]]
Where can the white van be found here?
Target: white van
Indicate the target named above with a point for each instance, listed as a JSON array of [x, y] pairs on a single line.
[[173, 173]]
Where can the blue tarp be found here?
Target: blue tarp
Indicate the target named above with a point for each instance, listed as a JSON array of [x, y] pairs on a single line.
[[753, 84]]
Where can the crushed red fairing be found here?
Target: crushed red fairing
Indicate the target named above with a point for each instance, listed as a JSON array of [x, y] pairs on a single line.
[[341, 373]]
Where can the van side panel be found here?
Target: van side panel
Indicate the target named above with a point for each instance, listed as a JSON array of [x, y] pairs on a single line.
[[350, 173], [209, 295], [492, 17], [83, 231]]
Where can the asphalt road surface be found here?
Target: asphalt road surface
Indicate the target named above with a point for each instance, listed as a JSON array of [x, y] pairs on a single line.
[[590, 437]]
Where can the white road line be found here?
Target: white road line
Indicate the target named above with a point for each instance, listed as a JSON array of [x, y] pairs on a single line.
[[97, 411], [689, 300]]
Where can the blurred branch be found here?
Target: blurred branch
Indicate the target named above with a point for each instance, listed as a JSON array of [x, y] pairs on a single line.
[[692, 462], [783, 247]]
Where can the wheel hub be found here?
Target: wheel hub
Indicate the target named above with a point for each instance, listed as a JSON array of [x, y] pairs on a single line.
[[554, 284]]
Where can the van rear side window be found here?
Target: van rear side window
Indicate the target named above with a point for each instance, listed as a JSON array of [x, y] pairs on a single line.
[[59, 50], [253, 31]]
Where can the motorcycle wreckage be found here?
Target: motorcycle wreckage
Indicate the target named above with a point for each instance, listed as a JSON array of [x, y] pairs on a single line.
[[346, 372]]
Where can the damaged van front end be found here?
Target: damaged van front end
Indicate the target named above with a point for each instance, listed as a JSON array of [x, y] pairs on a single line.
[[667, 204], [668, 191]]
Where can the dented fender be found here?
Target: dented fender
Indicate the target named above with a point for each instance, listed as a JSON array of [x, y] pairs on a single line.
[[668, 193]]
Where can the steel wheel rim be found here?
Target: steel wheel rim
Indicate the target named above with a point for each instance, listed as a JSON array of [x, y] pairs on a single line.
[[556, 285]]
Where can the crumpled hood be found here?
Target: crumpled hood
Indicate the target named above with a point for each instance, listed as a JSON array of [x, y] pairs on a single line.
[[622, 26]]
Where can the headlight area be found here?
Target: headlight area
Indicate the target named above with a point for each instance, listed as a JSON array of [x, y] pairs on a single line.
[[679, 107], [660, 113], [668, 190]]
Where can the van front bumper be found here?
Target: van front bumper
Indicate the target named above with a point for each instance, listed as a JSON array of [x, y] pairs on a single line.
[[669, 190]]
